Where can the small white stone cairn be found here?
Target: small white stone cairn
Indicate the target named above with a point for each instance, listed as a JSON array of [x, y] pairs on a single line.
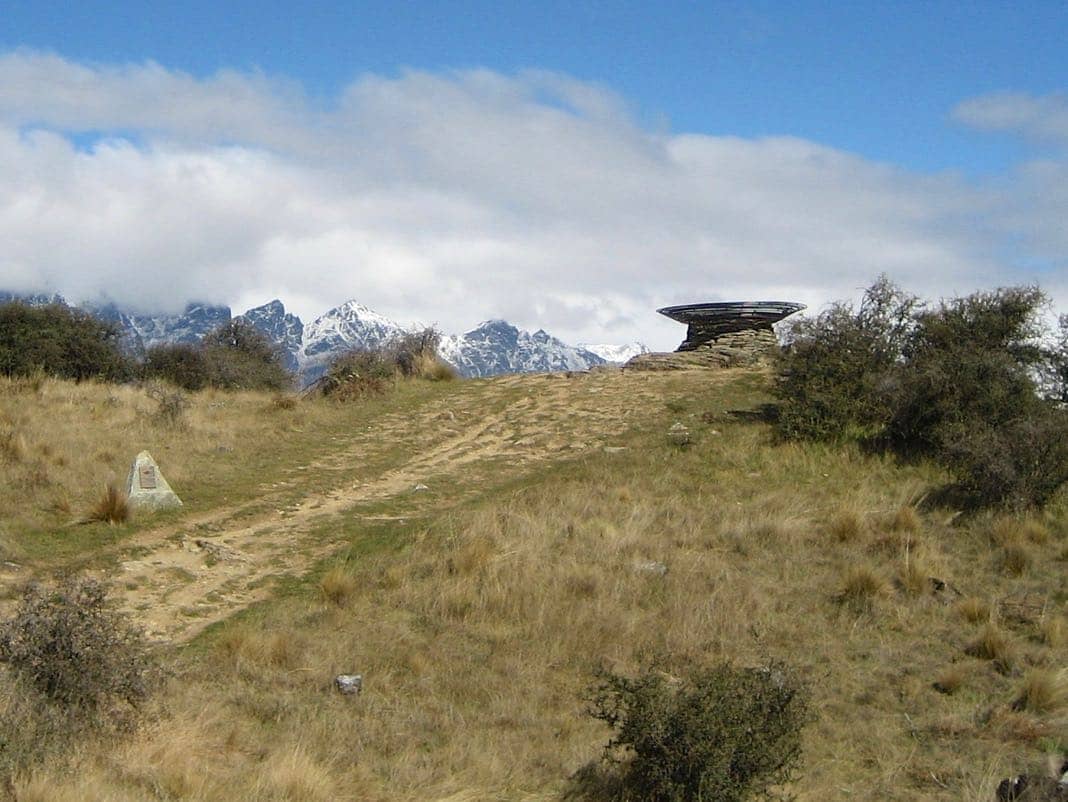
[[146, 489]]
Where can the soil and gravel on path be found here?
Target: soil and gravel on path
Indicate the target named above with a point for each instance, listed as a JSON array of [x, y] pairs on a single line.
[[178, 579]]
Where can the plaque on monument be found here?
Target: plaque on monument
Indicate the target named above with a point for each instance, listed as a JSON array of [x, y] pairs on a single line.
[[146, 475]]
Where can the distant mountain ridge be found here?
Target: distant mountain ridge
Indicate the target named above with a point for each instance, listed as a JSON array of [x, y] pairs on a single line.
[[490, 349]]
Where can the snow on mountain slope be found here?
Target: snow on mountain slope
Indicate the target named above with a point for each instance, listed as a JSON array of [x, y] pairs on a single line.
[[343, 328], [616, 354], [188, 327], [497, 347]]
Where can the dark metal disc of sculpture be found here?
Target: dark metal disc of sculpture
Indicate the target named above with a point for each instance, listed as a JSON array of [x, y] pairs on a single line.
[[708, 322]]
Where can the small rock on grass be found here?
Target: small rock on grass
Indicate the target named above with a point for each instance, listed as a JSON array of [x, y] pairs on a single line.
[[349, 684]]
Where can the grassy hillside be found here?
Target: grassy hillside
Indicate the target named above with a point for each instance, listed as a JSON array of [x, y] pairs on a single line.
[[560, 530]]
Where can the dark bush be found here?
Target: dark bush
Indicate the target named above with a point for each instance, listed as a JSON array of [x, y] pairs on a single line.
[[725, 734], [1018, 464], [833, 373], [416, 353], [361, 372], [358, 373], [182, 365], [61, 342], [970, 362], [958, 383], [239, 356], [69, 646]]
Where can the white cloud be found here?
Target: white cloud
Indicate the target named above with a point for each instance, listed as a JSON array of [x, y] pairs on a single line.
[[1043, 118], [452, 197]]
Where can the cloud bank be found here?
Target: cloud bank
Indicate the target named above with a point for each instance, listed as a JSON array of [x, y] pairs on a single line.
[[449, 198]]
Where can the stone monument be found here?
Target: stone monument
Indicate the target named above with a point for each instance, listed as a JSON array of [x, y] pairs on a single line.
[[725, 334], [146, 489]]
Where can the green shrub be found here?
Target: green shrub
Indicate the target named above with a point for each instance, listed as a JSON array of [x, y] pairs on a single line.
[[969, 363], [59, 341], [725, 733], [833, 371], [958, 383], [71, 648], [182, 365]]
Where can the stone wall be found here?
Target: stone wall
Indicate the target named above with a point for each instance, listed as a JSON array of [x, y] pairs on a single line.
[[734, 349]]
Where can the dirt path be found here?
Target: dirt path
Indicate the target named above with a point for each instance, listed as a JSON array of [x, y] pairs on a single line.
[[179, 579]]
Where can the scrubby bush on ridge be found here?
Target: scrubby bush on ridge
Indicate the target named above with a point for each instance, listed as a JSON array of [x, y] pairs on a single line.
[[361, 371], [957, 383], [181, 364], [59, 341], [831, 383], [235, 356]]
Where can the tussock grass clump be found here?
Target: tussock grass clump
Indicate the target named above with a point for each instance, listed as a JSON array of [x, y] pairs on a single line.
[[1054, 631], [906, 519], [1042, 691], [974, 610], [12, 445], [950, 679], [293, 774], [861, 587], [994, 644], [847, 526], [915, 574], [1006, 530], [1015, 559], [248, 648], [338, 586], [112, 508]]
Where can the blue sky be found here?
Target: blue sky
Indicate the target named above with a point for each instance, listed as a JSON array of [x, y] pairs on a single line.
[[948, 119]]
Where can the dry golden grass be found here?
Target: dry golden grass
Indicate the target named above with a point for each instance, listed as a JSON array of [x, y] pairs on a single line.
[[950, 679], [1015, 559], [994, 644], [60, 442], [477, 625], [974, 610], [1042, 691], [906, 519], [338, 585], [861, 587], [847, 526], [1054, 631], [112, 508]]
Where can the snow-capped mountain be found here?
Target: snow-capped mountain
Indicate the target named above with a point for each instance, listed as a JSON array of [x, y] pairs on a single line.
[[344, 328], [497, 347], [281, 327], [34, 299], [492, 348], [616, 354], [188, 327]]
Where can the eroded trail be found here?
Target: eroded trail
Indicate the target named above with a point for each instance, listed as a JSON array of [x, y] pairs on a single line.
[[179, 579]]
